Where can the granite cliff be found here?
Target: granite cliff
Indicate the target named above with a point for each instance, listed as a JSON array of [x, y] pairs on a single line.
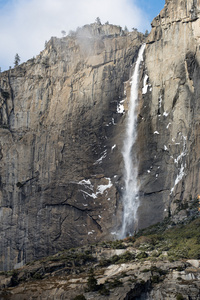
[[61, 133], [62, 124], [169, 123]]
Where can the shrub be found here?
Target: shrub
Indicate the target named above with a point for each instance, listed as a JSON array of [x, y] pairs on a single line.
[[117, 259], [142, 240], [37, 276], [156, 253], [145, 270], [126, 257], [129, 239], [179, 297], [141, 255], [103, 290], [155, 279], [158, 270], [92, 283], [80, 297], [115, 283], [118, 244], [104, 262], [194, 252], [198, 239], [114, 259]]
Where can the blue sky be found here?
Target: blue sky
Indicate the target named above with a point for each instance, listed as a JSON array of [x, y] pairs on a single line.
[[25, 25], [151, 7]]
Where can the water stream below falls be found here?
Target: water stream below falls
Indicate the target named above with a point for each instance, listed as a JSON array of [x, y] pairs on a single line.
[[130, 193]]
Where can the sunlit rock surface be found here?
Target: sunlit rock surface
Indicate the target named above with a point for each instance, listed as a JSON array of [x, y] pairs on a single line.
[[168, 138]]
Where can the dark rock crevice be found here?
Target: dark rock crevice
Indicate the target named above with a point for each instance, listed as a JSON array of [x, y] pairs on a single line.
[[82, 210], [155, 192]]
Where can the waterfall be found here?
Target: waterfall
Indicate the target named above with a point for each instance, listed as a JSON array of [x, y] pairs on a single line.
[[130, 193]]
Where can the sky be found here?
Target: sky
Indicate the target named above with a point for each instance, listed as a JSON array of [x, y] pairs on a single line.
[[25, 25]]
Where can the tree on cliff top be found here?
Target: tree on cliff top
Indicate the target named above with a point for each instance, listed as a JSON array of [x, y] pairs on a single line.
[[98, 21], [63, 33], [17, 60]]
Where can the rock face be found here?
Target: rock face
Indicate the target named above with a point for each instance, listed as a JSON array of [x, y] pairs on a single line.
[[62, 126], [168, 136], [61, 131]]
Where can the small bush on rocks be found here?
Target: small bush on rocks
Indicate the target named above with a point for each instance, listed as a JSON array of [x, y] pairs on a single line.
[[179, 297], [80, 297]]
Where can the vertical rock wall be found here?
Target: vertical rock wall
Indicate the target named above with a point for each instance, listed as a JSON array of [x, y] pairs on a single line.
[[61, 129], [169, 123]]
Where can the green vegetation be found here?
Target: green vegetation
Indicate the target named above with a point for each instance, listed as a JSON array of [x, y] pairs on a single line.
[[141, 255], [14, 279], [117, 259], [13, 273], [37, 276], [114, 283], [181, 241], [73, 256], [17, 60], [155, 269], [158, 270], [92, 283], [103, 290], [155, 279], [179, 297], [118, 244], [80, 297]]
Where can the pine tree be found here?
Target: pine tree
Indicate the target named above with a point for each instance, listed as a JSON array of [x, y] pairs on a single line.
[[63, 33], [17, 60], [126, 29], [92, 282], [98, 21]]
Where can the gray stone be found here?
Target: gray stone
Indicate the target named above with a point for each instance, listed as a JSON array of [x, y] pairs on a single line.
[[59, 169], [169, 161]]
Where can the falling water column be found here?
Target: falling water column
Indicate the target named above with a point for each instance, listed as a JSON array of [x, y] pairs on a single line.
[[130, 194]]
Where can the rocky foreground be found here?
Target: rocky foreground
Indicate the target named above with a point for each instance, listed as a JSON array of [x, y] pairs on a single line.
[[161, 262]]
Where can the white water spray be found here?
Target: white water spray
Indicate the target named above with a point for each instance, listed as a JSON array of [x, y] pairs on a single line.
[[130, 195]]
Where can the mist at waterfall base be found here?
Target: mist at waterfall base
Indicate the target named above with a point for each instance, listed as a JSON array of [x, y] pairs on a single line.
[[130, 197]]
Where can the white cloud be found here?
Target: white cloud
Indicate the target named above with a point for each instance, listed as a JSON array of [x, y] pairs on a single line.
[[25, 25]]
